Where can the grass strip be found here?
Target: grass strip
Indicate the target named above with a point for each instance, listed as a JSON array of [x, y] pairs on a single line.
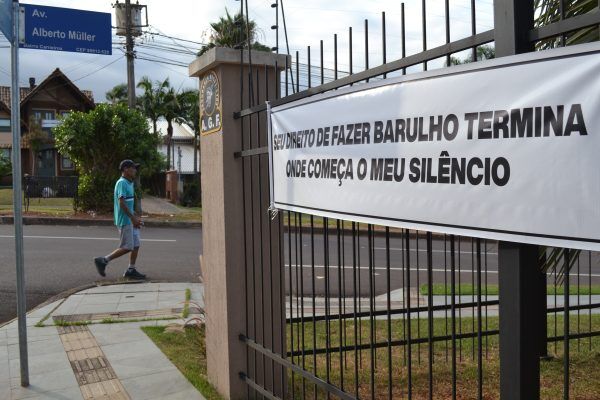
[[187, 350], [62, 322]]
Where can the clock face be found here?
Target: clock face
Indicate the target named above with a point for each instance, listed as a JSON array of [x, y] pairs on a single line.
[[210, 93], [210, 104]]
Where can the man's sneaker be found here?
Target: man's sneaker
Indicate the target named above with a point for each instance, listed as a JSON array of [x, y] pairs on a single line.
[[133, 273], [101, 264]]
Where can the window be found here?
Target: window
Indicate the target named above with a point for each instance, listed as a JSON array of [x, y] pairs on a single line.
[[67, 164], [5, 153], [4, 124], [43, 115], [47, 120]]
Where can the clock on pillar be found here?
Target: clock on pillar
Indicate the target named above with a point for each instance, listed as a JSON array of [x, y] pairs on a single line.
[[210, 104]]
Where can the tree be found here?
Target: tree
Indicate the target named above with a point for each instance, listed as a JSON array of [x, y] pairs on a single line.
[[5, 166], [97, 141], [485, 52], [171, 110], [232, 32], [549, 12], [151, 102], [35, 138], [118, 94], [190, 115]]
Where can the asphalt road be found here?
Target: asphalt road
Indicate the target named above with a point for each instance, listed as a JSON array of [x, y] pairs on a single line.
[[466, 264], [58, 258]]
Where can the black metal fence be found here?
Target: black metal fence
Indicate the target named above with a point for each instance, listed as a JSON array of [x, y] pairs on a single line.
[[338, 309], [50, 187]]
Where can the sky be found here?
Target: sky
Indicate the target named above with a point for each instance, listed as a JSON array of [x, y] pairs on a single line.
[[307, 21]]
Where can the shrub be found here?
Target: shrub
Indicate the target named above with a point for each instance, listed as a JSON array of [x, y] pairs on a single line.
[[97, 141]]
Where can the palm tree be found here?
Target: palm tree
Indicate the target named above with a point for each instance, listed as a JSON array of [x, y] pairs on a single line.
[[548, 11], [232, 31], [151, 101], [190, 114], [118, 94], [170, 111]]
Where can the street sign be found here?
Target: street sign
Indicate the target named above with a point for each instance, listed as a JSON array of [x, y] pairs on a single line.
[[6, 12], [65, 29]]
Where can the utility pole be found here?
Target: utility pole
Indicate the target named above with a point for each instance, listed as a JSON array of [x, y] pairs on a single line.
[[129, 53]]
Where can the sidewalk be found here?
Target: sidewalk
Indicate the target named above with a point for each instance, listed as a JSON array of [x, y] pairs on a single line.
[[106, 359]]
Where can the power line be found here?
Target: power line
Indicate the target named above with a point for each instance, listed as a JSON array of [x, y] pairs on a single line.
[[163, 62], [99, 69]]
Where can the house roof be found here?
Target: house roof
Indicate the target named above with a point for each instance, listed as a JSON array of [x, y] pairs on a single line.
[[5, 97], [4, 107], [180, 131], [27, 93]]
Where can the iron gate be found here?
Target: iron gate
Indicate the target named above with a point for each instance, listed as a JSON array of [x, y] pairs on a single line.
[[338, 309]]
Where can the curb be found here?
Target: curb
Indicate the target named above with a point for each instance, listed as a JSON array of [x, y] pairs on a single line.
[[9, 220], [69, 292]]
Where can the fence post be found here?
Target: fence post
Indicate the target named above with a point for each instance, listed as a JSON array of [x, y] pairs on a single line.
[[519, 321], [522, 284], [222, 179]]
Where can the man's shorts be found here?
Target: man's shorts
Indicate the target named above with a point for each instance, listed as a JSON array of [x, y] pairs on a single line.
[[130, 237]]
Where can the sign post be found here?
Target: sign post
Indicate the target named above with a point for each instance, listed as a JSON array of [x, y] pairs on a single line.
[[17, 198], [42, 28]]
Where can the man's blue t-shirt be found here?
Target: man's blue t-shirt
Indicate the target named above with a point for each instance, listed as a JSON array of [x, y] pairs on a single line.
[[123, 189]]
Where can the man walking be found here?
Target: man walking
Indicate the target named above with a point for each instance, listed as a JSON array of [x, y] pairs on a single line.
[[126, 221]]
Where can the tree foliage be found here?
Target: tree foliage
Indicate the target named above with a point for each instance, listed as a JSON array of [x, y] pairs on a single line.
[[97, 141], [484, 52], [233, 31], [548, 11], [35, 139], [151, 102], [5, 165], [118, 94]]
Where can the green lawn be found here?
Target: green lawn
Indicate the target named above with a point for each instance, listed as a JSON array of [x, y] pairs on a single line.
[[188, 352], [585, 376], [45, 206], [467, 289]]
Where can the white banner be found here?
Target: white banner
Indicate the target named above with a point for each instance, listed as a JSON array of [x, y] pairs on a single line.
[[506, 149]]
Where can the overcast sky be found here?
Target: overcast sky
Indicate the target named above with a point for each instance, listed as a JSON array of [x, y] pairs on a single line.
[[308, 21]]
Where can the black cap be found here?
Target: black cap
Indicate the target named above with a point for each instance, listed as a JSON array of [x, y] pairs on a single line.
[[126, 164]]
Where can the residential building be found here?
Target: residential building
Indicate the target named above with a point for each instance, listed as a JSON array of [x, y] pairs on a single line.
[[42, 106], [182, 149]]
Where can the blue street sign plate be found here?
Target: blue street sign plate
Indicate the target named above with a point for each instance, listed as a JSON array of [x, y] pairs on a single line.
[[65, 29], [6, 14]]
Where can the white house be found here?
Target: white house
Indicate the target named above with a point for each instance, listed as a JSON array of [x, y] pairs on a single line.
[[182, 148]]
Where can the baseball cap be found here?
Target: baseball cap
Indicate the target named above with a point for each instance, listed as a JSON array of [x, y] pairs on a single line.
[[126, 164]]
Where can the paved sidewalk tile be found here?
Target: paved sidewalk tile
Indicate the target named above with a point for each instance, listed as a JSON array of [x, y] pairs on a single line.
[[108, 361], [157, 386], [34, 393], [45, 382]]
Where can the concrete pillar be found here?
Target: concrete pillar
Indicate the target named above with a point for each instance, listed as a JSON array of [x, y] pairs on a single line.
[[223, 260]]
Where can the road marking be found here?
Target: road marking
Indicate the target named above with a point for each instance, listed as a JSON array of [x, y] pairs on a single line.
[[424, 269], [421, 250], [84, 238], [425, 250]]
